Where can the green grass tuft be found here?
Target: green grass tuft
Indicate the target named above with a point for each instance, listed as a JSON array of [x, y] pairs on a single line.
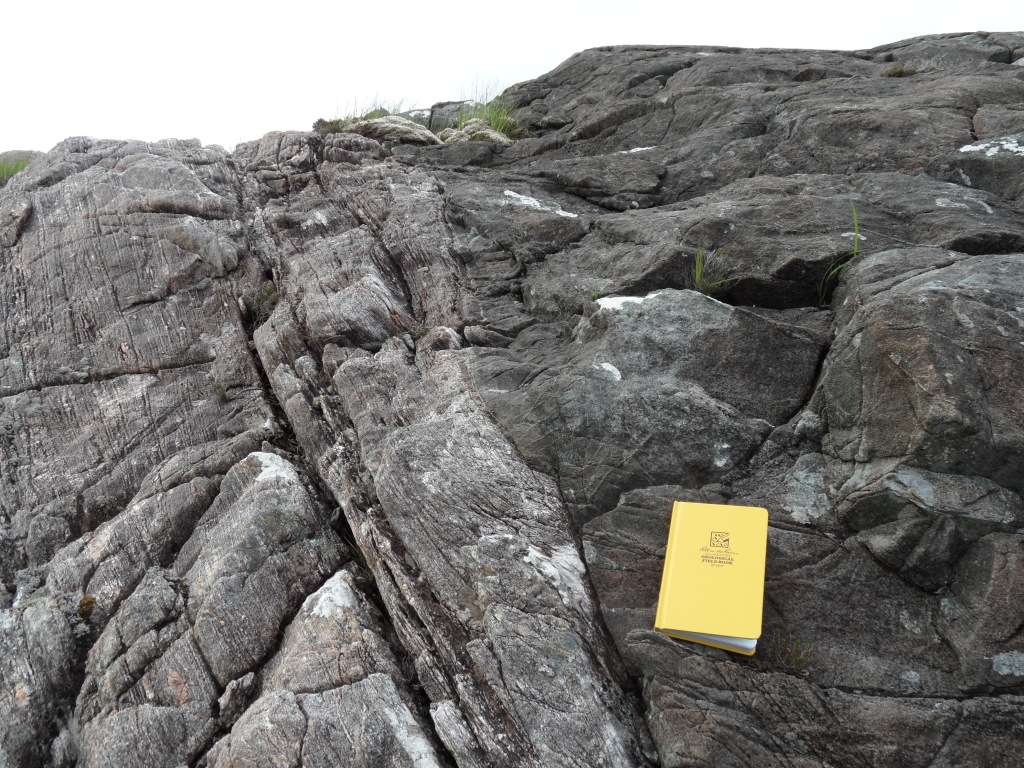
[[831, 277], [9, 167], [898, 70], [789, 654], [260, 303], [356, 114], [708, 275], [497, 113]]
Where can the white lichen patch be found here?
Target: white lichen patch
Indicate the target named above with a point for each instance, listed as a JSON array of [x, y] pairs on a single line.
[[563, 570], [318, 218], [805, 497], [1009, 663], [530, 202], [96, 547], [410, 736], [963, 203], [911, 681], [274, 466], [911, 623], [614, 739], [985, 206], [609, 368], [407, 733], [809, 422], [964, 319], [994, 147], [332, 600], [721, 455], [127, 397], [618, 302]]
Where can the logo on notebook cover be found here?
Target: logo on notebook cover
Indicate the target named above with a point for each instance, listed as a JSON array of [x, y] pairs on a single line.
[[720, 539]]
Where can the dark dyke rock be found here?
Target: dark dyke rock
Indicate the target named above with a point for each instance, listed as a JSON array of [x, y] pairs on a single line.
[[360, 449], [636, 389]]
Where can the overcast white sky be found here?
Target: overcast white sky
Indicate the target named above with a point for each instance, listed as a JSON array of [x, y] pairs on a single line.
[[226, 72]]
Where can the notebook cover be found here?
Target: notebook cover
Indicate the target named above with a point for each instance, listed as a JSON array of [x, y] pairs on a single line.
[[713, 581]]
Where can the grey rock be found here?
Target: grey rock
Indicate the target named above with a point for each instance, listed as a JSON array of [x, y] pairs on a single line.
[[236, 698], [186, 634], [12, 220], [363, 724], [439, 579], [625, 551], [336, 639], [931, 382], [128, 346], [109, 562], [711, 116], [572, 401], [639, 251], [360, 448], [993, 121], [118, 388], [444, 114], [333, 690], [953, 52], [978, 617], [617, 181], [993, 165], [37, 671], [454, 155], [352, 148], [16, 158], [816, 727], [453, 464]]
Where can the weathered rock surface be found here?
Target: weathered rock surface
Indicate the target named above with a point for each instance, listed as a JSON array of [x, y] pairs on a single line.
[[360, 449], [394, 129]]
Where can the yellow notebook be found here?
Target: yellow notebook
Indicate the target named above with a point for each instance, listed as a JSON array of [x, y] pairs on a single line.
[[712, 588]]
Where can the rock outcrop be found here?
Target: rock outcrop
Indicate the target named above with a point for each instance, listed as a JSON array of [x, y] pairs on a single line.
[[360, 449]]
